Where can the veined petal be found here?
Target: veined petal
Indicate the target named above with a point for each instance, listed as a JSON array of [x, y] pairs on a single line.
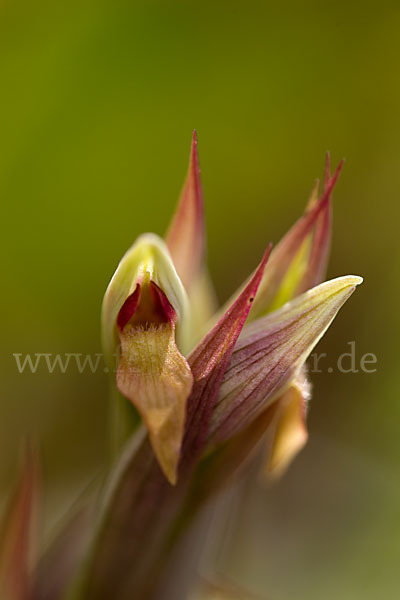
[[209, 361], [290, 434], [148, 255], [186, 234], [270, 352], [16, 535]]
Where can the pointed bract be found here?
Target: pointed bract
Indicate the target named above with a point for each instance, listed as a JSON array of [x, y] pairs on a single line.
[[186, 234], [286, 253], [321, 237], [270, 352], [299, 260], [186, 240], [209, 361]]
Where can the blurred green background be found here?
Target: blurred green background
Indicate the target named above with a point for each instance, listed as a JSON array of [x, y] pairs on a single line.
[[98, 100]]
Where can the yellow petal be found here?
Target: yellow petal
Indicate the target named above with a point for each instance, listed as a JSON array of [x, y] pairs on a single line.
[[291, 431], [155, 376]]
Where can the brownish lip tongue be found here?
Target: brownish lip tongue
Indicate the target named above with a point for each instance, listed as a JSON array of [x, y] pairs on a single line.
[[147, 305]]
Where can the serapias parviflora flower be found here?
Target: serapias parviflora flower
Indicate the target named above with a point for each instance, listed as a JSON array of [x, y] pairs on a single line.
[[199, 377]]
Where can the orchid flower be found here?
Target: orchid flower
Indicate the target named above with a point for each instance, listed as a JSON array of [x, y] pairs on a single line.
[[197, 376], [196, 390]]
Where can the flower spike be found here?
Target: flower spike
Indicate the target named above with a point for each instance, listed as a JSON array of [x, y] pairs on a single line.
[[205, 411]]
